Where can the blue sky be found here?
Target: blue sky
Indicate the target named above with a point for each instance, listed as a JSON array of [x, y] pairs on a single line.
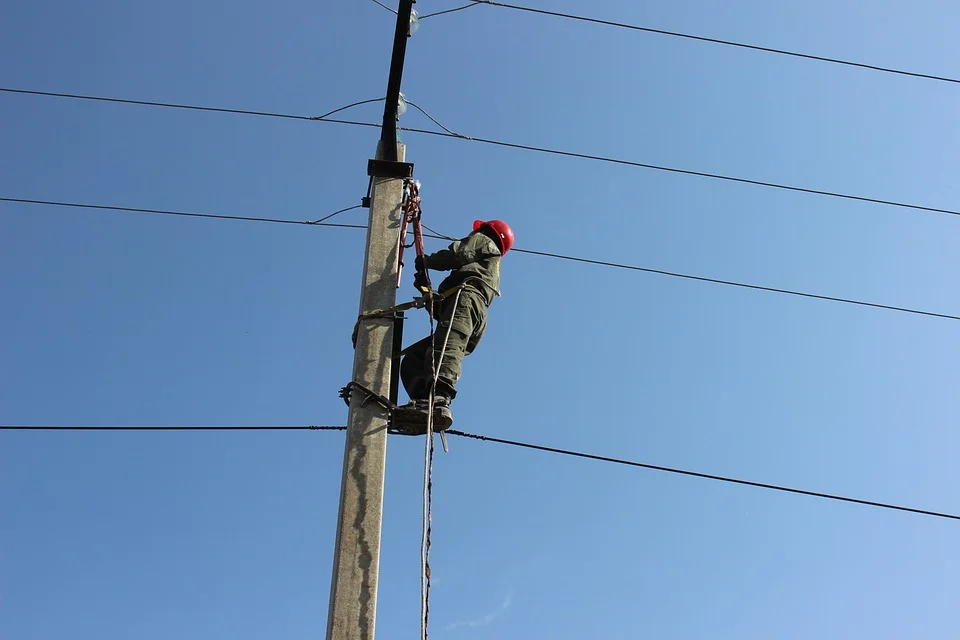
[[112, 318]]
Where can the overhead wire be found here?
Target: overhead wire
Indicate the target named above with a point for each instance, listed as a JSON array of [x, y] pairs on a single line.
[[390, 9], [349, 106], [193, 214], [21, 427], [446, 11], [434, 120], [705, 476], [523, 445], [336, 213], [729, 43], [744, 285], [526, 147], [546, 254], [193, 107], [689, 172]]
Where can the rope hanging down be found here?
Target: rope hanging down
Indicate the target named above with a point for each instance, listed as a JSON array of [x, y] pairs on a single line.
[[412, 214]]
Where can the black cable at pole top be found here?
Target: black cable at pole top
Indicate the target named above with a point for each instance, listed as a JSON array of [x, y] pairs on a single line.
[[388, 137]]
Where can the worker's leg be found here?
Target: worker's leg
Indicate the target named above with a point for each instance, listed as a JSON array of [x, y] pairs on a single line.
[[464, 325]]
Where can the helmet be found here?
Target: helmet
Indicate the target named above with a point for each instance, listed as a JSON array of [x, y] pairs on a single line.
[[500, 229]]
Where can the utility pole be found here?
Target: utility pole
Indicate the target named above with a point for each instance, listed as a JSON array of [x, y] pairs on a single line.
[[356, 562]]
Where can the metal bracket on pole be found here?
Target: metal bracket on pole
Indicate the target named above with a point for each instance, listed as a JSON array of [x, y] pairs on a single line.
[[388, 169]]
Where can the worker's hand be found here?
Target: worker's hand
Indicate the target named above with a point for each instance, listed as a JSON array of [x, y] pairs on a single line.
[[420, 281], [418, 264]]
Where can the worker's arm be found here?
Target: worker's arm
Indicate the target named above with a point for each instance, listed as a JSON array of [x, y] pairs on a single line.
[[473, 248]]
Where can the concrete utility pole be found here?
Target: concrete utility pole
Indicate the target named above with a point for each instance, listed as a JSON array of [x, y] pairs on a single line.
[[356, 562], [353, 593]]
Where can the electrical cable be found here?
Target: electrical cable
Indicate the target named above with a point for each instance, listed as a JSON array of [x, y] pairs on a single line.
[[394, 11], [729, 43], [192, 214], [20, 427], [546, 254], [512, 145], [524, 445], [705, 476], [440, 13]]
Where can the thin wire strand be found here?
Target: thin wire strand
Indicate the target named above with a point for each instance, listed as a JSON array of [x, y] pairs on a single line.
[[525, 147], [192, 214], [731, 283], [435, 121], [385, 6], [729, 43], [436, 234], [546, 254], [440, 13], [706, 476], [19, 427], [349, 106], [335, 213]]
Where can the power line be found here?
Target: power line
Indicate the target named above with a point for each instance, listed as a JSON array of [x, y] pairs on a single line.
[[732, 283], [391, 10], [546, 254], [706, 476], [446, 11], [513, 145], [729, 43], [434, 120], [193, 214], [513, 443], [20, 427], [336, 213], [193, 107], [349, 106], [689, 172]]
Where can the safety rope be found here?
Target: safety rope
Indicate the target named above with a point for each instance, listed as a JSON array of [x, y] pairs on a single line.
[[411, 214]]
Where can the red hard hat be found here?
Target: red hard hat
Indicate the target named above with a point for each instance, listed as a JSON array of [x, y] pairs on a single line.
[[501, 229]]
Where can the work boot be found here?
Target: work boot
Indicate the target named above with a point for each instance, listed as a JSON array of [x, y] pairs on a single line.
[[442, 416], [412, 417], [413, 406], [415, 411]]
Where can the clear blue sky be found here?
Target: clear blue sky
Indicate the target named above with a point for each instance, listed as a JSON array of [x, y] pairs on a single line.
[[111, 319]]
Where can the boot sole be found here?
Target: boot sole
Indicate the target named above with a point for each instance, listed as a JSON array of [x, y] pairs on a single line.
[[415, 422]]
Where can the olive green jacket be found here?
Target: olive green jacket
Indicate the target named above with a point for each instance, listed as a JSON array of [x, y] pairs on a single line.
[[475, 258]]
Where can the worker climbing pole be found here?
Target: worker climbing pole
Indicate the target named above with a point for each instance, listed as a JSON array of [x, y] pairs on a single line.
[[431, 367]]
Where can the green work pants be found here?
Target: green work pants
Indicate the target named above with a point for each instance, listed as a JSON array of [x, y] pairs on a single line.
[[464, 321]]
